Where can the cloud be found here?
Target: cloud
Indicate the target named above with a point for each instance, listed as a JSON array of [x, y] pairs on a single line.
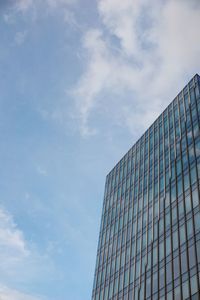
[[138, 60], [12, 243], [12, 294], [41, 170], [18, 256], [34, 9], [20, 37], [56, 3], [23, 5]]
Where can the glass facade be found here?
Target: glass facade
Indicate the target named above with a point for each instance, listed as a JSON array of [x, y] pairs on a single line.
[[149, 242]]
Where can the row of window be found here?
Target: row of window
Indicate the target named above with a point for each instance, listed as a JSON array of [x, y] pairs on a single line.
[[151, 209], [153, 139], [174, 271], [153, 173], [117, 219], [160, 251]]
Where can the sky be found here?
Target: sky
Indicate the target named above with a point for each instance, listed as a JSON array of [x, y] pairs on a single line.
[[80, 81]]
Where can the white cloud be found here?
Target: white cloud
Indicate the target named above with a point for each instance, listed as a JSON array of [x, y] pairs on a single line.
[[145, 49], [12, 294], [35, 9], [23, 5], [56, 3], [41, 170], [18, 257], [20, 37], [12, 243]]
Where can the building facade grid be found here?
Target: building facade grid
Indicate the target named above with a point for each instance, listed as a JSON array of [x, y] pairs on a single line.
[[149, 242]]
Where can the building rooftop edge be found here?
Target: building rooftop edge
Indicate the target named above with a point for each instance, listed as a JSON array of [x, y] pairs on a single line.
[[186, 85]]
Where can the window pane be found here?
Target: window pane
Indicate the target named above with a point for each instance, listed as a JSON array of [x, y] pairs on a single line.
[[169, 272], [183, 262], [189, 228], [175, 240], [197, 221], [195, 198], [191, 254], [177, 293], [176, 267], [185, 290], [168, 245], [182, 234], [162, 278], [188, 203], [193, 284]]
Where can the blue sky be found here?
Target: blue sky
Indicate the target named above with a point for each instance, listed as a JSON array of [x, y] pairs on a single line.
[[80, 81]]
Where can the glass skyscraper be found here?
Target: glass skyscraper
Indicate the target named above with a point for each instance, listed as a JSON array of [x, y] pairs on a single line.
[[149, 242]]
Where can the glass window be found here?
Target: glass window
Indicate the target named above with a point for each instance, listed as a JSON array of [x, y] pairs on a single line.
[[137, 270], [186, 101], [116, 285], [191, 154], [178, 167], [181, 108], [161, 226], [176, 267], [168, 245], [167, 220], [196, 130], [149, 260], [106, 292], [191, 254], [182, 234], [155, 255], [180, 209], [148, 287], [161, 277], [117, 263], [197, 147], [156, 209], [197, 222], [192, 96], [161, 250], [177, 293], [120, 282], [193, 174], [197, 91], [183, 262], [189, 228], [131, 273], [155, 282], [130, 295], [141, 292], [198, 251], [193, 284], [173, 193], [188, 203], [162, 183], [168, 272], [172, 171], [169, 296], [186, 181], [155, 233], [195, 198], [185, 161], [189, 137], [166, 198], [111, 290], [174, 214], [185, 290], [180, 186], [175, 240]]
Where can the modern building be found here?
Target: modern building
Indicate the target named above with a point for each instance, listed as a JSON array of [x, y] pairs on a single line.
[[149, 242]]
